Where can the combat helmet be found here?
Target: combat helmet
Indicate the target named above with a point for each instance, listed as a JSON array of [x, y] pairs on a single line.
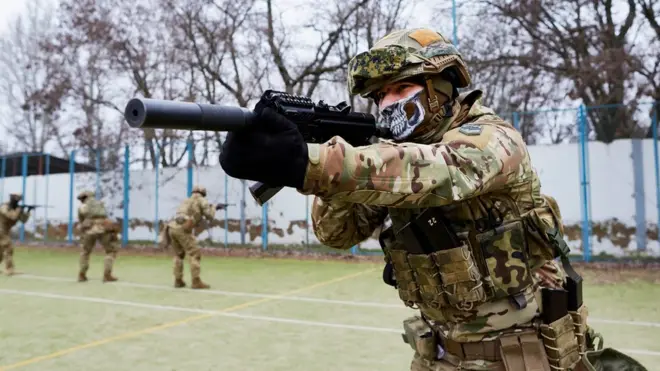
[[405, 54], [199, 189], [15, 197], [85, 194]]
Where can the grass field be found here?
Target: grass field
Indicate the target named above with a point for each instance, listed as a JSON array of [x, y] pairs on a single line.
[[260, 314]]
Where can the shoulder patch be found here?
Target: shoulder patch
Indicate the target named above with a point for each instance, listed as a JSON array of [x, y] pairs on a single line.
[[470, 129]]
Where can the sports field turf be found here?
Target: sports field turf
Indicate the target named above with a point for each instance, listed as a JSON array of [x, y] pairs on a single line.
[[260, 314]]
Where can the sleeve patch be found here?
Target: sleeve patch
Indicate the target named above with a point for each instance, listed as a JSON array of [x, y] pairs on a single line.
[[470, 129]]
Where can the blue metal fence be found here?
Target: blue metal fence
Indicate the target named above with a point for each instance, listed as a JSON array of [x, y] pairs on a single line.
[[578, 117]]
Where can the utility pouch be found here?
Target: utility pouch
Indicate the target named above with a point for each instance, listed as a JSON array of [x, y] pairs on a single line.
[[397, 257], [460, 277], [560, 343], [504, 250], [579, 318], [428, 279], [523, 351], [420, 336], [185, 222]]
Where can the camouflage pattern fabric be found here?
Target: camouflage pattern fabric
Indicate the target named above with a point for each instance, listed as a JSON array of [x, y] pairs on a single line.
[[401, 55], [180, 235], [8, 218], [94, 226], [478, 164]]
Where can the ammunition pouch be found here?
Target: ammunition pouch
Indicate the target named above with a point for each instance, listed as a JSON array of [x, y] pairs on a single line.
[[580, 328], [561, 344], [435, 267]]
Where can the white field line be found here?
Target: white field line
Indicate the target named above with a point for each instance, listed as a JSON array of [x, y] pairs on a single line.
[[307, 299], [237, 315], [190, 310]]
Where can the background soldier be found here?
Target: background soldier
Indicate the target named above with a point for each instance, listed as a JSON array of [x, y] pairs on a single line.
[[180, 234], [472, 237], [94, 225], [10, 214]]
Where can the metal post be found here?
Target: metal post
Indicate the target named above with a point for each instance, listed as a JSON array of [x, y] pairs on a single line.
[[264, 227], [654, 126], [37, 179], [46, 197], [584, 183], [226, 211], [516, 120], [156, 216], [24, 168], [189, 148], [3, 170], [98, 174], [124, 229], [242, 212], [72, 185], [454, 21]]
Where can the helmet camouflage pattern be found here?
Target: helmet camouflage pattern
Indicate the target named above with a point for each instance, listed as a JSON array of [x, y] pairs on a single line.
[[403, 54], [85, 194], [199, 189]]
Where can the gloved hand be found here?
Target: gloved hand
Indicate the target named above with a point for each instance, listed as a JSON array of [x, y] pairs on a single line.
[[272, 151]]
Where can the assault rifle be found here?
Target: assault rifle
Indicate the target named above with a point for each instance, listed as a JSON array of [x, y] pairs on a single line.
[[30, 207], [317, 122]]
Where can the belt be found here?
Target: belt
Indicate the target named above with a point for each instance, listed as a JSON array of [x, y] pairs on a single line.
[[488, 350]]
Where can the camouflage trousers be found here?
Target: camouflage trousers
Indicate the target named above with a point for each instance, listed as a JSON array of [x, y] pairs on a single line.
[[184, 243], [110, 244], [7, 253]]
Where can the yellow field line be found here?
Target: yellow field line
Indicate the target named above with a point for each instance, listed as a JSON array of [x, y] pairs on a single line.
[[131, 334]]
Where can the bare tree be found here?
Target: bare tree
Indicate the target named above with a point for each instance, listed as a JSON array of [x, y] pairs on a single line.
[[224, 49], [328, 22], [31, 84], [581, 42], [649, 62]]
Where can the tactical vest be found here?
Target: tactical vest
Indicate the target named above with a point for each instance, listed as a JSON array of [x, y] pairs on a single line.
[[95, 209], [437, 263]]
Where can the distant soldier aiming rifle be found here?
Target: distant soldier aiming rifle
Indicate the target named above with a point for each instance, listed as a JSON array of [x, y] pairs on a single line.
[[11, 213]]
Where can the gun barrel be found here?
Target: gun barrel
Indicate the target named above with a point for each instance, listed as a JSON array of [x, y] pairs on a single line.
[[163, 114]]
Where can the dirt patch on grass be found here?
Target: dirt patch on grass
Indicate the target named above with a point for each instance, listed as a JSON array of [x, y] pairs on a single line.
[[242, 252], [608, 273]]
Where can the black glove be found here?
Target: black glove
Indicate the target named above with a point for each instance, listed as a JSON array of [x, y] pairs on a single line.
[[272, 151]]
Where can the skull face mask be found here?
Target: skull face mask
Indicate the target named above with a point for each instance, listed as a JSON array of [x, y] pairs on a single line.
[[403, 116]]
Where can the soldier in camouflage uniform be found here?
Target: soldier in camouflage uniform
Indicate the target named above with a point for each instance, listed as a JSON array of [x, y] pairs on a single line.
[[475, 267], [94, 225], [179, 233], [10, 214]]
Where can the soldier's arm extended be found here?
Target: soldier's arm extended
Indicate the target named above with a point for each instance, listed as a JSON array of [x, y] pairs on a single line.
[[464, 165], [206, 209], [24, 216], [342, 225]]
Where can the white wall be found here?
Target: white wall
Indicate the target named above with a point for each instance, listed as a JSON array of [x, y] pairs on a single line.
[[610, 166]]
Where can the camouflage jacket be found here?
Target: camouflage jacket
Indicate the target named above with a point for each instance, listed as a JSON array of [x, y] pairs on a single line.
[[191, 211], [9, 218], [476, 164], [93, 217]]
